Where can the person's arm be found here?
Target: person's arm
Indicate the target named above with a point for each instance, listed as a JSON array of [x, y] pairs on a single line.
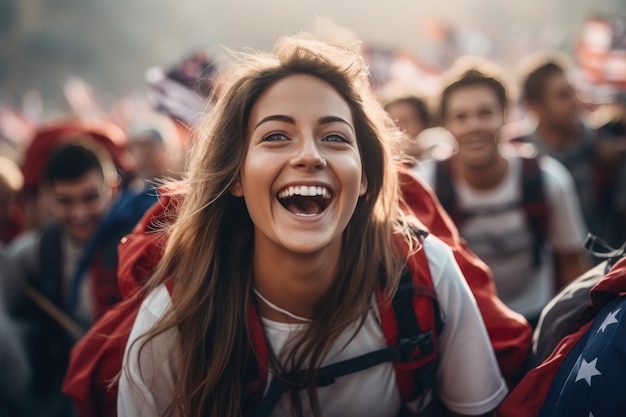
[[567, 227], [469, 381]]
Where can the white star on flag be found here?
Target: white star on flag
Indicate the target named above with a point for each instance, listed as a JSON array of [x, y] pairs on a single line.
[[587, 371], [610, 319]]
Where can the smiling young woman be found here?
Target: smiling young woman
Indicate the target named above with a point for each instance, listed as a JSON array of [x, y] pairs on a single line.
[[291, 208]]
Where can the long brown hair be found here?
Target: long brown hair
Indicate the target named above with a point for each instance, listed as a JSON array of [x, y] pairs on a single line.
[[210, 246]]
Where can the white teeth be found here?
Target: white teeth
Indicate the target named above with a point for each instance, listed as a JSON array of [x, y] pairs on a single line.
[[303, 190]]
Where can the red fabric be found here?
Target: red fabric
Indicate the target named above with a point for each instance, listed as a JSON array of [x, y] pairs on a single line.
[[611, 285], [256, 389], [46, 139], [96, 359], [509, 332], [423, 306], [528, 397], [103, 283], [12, 225]]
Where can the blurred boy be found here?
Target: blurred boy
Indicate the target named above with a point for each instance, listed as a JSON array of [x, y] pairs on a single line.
[[500, 203]]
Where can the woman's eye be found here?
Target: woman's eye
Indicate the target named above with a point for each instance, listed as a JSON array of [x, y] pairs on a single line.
[[275, 137], [336, 137]]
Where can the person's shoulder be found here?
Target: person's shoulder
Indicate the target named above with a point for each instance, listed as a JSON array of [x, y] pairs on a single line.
[[434, 245], [439, 255], [426, 170], [157, 301], [554, 172], [26, 242]]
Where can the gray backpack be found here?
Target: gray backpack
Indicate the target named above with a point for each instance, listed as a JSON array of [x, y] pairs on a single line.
[[564, 313]]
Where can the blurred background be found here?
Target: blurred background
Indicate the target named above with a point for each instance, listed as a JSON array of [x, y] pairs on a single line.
[[49, 47], [128, 79]]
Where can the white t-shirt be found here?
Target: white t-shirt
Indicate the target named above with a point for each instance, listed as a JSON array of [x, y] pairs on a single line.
[[468, 378], [503, 239]]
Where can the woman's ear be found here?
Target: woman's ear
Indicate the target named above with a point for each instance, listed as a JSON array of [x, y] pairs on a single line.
[[363, 185], [237, 189]]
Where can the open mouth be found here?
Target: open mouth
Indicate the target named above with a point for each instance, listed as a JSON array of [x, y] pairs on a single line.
[[305, 200]]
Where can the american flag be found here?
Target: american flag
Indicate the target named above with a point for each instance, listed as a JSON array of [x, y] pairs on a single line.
[[591, 381]]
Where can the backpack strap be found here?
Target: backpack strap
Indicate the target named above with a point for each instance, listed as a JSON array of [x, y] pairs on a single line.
[[535, 205], [412, 347], [414, 316], [327, 375], [444, 188], [257, 363], [598, 248], [49, 280]]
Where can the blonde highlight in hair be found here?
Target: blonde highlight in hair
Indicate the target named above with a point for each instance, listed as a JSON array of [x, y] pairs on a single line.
[[210, 245]]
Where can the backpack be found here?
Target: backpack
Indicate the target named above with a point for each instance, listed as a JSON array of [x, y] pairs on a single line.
[[565, 313], [411, 325], [563, 385], [533, 201]]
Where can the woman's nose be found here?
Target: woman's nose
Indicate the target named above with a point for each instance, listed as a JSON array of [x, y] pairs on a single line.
[[308, 156]]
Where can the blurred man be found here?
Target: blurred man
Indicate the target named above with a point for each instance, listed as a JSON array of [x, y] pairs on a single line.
[[514, 212], [69, 270], [561, 134]]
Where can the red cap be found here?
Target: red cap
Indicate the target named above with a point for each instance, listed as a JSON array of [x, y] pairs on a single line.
[[48, 137]]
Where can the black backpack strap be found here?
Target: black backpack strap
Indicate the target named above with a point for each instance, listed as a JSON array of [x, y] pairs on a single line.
[[257, 362], [410, 341], [409, 332], [48, 279], [600, 249], [535, 205], [327, 375], [444, 188]]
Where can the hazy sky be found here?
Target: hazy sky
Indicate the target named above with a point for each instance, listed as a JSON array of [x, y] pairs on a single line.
[[110, 43]]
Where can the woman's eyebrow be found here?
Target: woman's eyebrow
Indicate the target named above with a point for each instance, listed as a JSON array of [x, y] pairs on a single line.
[[333, 119], [288, 119], [279, 117]]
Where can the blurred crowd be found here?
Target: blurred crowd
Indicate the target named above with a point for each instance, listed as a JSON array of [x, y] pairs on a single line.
[[523, 176]]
